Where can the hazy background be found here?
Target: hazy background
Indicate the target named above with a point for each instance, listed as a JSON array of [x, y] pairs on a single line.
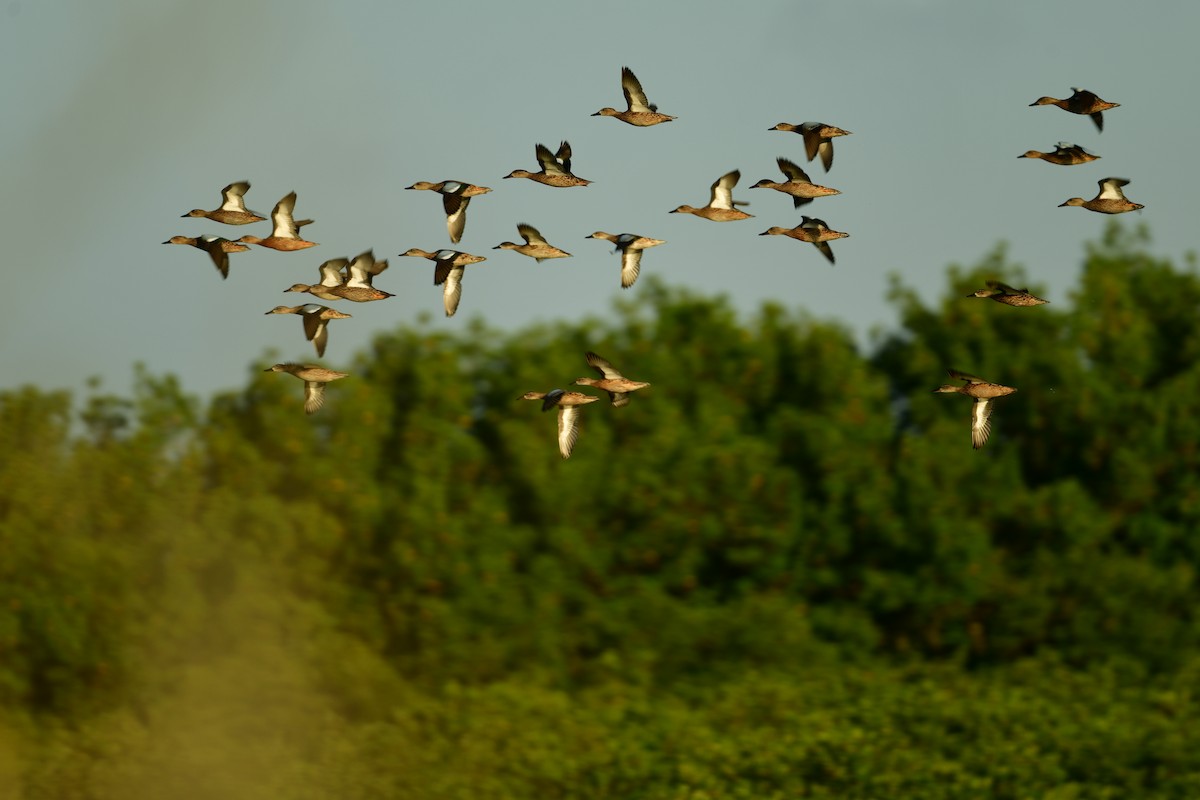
[[121, 117]]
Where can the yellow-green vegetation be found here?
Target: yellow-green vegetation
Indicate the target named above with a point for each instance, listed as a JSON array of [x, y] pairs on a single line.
[[780, 572]]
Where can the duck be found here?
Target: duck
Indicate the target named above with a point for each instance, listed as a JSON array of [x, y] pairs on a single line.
[[610, 380], [556, 168], [1110, 200], [331, 278], [631, 246], [314, 377], [232, 210], [983, 393], [359, 273], [638, 110], [1065, 154], [1081, 102], [818, 139], [721, 205], [449, 266], [455, 197], [286, 234], [568, 404], [1003, 293], [811, 230], [798, 185], [343, 280], [536, 246], [218, 249], [315, 318]]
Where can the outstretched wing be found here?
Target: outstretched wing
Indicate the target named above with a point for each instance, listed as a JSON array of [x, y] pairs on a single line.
[[631, 265], [721, 195], [452, 291], [568, 429], [602, 365], [981, 426], [792, 170], [962, 376], [635, 98]]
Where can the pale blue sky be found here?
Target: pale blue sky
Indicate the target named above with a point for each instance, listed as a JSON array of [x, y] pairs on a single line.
[[119, 117]]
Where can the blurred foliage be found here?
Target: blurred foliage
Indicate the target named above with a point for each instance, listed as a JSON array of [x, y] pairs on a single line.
[[781, 571]]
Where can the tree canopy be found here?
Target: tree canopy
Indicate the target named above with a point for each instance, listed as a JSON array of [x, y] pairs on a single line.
[[742, 584]]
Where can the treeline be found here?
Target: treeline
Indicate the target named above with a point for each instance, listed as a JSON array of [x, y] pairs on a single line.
[[414, 572]]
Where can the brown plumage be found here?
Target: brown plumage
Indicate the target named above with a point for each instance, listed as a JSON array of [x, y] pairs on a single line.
[[232, 210], [1081, 102], [315, 318], [314, 378], [536, 247], [1065, 154], [218, 249], [610, 380], [1003, 293], [1110, 200], [811, 230], [721, 205], [286, 233], [556, 168], [638, 110], [568, 404], [798, 184], [449, 266], [343, 280], [455, 197], [818, 139], [982, 392], [630, 246]]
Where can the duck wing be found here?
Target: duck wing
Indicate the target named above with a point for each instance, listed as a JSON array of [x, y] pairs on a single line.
[[549, 163], [213, 245], [316, 330], [455, 206], [314, 396], [793, 171], [568, 429], [635, 98], [962, 376], [721, 192], [564, 156], [631, 265], [530, 234], [603, 366], [981, 426], [331, 271], [231, 197], [815, 144], [452, 291], [1110, 189], [281, 218], [361, 269]]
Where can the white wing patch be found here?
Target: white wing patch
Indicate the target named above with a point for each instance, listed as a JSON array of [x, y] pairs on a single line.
[[631, 261], [981, 426], [452, 291], [568, 429], [314, 396]]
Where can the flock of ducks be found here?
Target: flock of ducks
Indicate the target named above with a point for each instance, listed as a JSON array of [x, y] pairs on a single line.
[[611, 381], [351, 279], [1110, 200]]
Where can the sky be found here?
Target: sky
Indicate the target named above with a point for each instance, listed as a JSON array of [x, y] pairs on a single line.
[[119, 117]]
